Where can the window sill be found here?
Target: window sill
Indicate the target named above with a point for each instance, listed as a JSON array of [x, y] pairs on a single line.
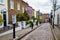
[[2, 4], [18, 10]]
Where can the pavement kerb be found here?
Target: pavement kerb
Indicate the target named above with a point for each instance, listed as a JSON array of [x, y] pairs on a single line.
[[24, 34], [55, 38], [27, 33], [35, 27]]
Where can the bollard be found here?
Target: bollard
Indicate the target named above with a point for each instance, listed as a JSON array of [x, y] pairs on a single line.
[[13, 31]]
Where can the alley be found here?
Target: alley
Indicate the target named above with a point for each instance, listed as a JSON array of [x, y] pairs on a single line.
[[42, 33]]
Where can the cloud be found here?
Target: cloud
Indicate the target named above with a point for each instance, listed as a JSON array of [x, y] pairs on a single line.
[[45, 9], [42, 5]]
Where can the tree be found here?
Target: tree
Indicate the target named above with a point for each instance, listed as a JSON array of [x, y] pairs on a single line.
[[26, 15], [21, 17], [54, 3]]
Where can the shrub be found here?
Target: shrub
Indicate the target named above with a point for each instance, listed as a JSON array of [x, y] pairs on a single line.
[[27, 22], [26, 15], [1, 20], [33, 18], [39, 20], [21, 17]]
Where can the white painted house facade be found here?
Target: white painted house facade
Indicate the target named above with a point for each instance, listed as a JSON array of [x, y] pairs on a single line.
[[4, 12], [57, 12]]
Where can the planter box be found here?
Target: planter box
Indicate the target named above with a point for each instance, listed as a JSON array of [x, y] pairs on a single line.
[[22, 24], [19, 25]]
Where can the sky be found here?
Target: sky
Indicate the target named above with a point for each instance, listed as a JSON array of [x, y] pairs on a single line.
[[44, 6]]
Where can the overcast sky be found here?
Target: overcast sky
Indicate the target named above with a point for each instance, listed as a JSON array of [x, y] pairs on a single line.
[[44, 6]]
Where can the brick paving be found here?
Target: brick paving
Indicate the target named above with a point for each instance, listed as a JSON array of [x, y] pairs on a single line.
[[56, 32], [18, 34], [42, 33]]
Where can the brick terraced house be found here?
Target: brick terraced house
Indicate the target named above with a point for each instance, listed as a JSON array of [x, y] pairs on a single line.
[[10, 8]]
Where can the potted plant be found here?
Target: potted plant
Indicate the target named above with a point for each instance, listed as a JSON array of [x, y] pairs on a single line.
[[33, 20], [1, 21], [18, 20], [26, 16], [39, 21], [21, 20]]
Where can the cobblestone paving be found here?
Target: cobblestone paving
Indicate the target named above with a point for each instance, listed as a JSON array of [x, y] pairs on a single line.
[[42, 33]]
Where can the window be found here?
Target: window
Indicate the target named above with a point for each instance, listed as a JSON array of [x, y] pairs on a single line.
[[11, 4], [23, 9], [18, 6], [1, 1]]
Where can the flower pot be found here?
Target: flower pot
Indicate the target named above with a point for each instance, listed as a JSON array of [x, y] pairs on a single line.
[[23, 24], [19, 25]]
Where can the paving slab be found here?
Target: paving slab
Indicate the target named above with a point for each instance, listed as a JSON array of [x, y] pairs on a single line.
[[56, 32], [19, 33]]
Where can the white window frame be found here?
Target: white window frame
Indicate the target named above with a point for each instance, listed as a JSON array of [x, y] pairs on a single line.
[[18, 6], [11, 4], [22, 9], [1, 1]]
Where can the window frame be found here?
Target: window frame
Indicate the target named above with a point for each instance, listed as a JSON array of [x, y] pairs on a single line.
[[18, 6], [11, 4], [22, 9], [1, 1]]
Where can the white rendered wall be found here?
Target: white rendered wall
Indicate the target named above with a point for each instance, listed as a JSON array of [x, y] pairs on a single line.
[[56, 13], [3, 6]]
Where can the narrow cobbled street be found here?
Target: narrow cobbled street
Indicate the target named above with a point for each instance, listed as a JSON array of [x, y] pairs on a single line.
[[42, 33]]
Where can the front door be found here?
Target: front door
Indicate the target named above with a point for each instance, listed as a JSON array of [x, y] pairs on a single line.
[[4, 18]]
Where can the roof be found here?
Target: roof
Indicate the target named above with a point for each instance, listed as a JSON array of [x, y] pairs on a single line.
[[30, 6], [24, 2]]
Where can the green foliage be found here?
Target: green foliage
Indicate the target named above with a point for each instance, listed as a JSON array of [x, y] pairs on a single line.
[[39, 20], [1, 20], [26, 15], [28, 22], [33, 18], [21, 17]]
